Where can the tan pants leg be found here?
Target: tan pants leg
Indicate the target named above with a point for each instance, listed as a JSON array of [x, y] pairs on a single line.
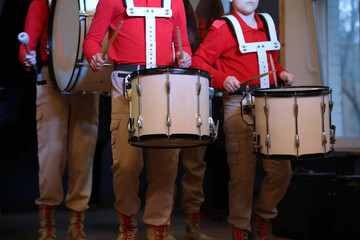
[[83, 126], [57, 137], [273, 188], [161, 174], [127, 160], [193, 178], [242, 163]]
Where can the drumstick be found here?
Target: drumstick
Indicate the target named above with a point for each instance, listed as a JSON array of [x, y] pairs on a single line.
[[112, 39], [180, 43], [273, 68], [257, 77]]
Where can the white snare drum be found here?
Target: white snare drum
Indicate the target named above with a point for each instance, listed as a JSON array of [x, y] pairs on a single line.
[[69, 22], [169, 107], [293, 122]]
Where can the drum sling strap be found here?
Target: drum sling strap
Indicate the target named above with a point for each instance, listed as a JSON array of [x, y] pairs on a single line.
[[259, 47], [150, 13]]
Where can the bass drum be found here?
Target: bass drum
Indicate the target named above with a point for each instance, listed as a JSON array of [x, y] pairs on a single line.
[[69, 22]]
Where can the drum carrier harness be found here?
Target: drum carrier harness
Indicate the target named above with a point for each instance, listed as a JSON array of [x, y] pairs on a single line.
[[150, 13], [259, 47]]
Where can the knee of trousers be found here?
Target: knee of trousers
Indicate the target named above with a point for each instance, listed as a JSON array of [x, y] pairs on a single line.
[[279, 175]]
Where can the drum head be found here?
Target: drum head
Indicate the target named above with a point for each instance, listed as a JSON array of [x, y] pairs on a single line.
[[69, 21], [292, 91]]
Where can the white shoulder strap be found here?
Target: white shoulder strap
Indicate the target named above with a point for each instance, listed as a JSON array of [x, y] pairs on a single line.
[[259, 47]]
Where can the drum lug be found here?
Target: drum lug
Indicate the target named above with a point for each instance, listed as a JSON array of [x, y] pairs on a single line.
[[324, 138], [332, 134], [296, 109], [130, 126], [267, 141], [168, 120], [254, 139], [138, 89], [140, 121], [297, 140], [256, 142], [211, 124], [168, 87], [211, 93], [323, 108], [198, 85], [331, 104], [198, 121], [266, 110]]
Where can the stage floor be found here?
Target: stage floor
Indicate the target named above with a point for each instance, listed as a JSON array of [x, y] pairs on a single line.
[[100, 224]]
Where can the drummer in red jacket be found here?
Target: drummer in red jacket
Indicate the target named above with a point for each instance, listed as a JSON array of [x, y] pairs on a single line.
[[233, 55], [66, 134], [144, 41]]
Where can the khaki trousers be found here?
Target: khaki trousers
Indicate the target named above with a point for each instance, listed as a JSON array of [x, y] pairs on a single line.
[[242, 163], [67, 133], [193, 164], [128, 164]]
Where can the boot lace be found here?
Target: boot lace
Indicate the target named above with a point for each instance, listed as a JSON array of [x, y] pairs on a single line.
[[49, 215], [78, 223], [240, 234], [159, 231], [126, 226], [196, 218], [263, 230]]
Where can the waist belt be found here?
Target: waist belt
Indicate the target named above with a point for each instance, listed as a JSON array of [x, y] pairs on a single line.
[[128, 67]]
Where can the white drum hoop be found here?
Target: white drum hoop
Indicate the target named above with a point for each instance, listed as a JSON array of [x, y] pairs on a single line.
[[67, 29]]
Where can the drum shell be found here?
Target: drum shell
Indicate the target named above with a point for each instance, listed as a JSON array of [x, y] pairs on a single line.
[[183, 109], [282, 124]]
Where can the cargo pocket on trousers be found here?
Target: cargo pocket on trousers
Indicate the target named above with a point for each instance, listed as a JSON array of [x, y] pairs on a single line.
[[113, 127], [232, 150]]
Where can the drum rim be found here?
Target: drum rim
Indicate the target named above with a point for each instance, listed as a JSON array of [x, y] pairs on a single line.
[[174, 70], [143, 141], [315, 91], [53, 80]]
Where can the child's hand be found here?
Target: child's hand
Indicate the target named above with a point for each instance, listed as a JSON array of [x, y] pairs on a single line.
[[185, 61], [287, 77], [97, 62], [231, 84], [30, 60]]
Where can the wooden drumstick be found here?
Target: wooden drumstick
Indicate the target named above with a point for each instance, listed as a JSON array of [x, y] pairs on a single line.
[[273, 68], [111, 40], [257, 77], [180, 43]]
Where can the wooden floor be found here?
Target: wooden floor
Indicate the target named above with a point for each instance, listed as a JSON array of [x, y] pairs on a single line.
[[100, 224]]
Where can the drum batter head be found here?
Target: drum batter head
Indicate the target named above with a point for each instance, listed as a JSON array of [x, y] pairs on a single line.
[[69, 21]]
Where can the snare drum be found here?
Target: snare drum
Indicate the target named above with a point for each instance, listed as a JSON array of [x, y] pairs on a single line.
[[169, 108], [69, 22], [293, 122]]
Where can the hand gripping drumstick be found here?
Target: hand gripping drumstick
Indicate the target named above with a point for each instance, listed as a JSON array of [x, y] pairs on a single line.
[[257, 77], [23, 38], [180, 43], [112, 39]]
